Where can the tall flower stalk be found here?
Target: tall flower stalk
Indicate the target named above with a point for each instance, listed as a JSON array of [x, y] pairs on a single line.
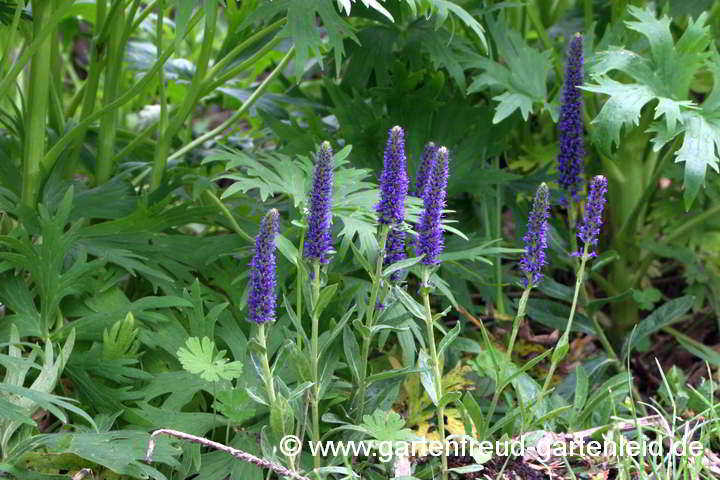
[[426, 167], [588, 232], [261, 302], [317, 249], [430, 244], [394, 185], [533, 261], [571, 139]]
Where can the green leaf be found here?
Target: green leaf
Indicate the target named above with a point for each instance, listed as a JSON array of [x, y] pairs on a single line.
[[386, 426], [622, 109], [410, 304], [660, 318], [282, 421], [448, 339], [427, 377], [302, 26], [698, 151], [659, 78], [401, 265], [326, 295], [199, 357], [696, 348], [122, 451], [581, 387], [522, 73], [352, 352]]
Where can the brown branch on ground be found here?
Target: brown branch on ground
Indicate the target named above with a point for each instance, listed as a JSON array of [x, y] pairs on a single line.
[[239, 454]]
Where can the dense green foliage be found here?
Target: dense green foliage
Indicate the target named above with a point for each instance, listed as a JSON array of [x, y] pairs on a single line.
[[141, 144]]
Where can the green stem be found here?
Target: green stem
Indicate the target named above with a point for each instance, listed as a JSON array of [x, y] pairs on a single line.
[[228, 214], [315, 359], [240, 112], [193, 95], [91, 87], [217, 69], [37, 98], [563, 345], [500, 301], [38, 43], [219, 79], [52, 155], [369, 319], [267, 373], [299, 280], [676, 233], [159, 27], [109, 120], [437, 371], [588, 10], [138, 139], [518, 320], [19, 7]]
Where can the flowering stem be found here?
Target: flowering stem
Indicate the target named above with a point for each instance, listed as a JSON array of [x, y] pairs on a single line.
[[315, 399], [518, 319], [369, 318], [267, 374], [437, 372], [572, 223], [561, 349], [500, 303], [298, 289]]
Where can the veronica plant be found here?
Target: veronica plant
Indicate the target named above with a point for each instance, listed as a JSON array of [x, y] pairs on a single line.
[[588, 233], [571, 133], [318, 246], [261, 302], [430, 244], [394, 185], [533, 261]]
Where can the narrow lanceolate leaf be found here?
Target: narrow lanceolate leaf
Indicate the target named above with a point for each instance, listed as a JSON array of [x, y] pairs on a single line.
[[659, 81]]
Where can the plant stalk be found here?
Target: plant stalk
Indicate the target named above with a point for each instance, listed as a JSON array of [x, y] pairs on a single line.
[[437, 371], [37, 98], [369, 319], [315, 361], [162, 149], [518, 320], [562, 346], [240, 112], [109, 120], [267, 373]]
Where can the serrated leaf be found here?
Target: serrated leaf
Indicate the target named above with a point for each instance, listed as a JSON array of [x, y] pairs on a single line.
[[698, 151], [386, 427], [199, 357], [522, 73]]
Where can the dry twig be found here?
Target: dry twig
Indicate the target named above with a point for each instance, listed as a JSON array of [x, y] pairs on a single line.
[[239, 454]]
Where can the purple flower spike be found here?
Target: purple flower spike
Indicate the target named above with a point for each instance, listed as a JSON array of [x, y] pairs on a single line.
[[261, 303], [536, 237], [570, 160], [589, 231], [430, 241], [395, 250], [394, 180], [426, 167], [318, 243]]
